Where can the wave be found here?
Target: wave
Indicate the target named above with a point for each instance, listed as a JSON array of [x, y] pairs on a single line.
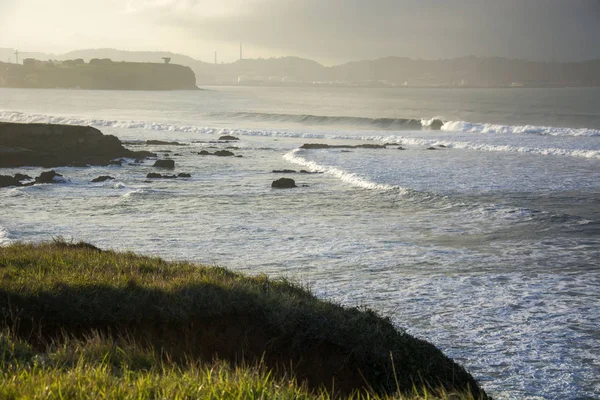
[[472, 127], [344, 176], [16, 116], [309, 119]]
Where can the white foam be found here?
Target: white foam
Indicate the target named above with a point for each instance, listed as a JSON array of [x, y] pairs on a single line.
[[4, 236], [464, 126], [344, 176]]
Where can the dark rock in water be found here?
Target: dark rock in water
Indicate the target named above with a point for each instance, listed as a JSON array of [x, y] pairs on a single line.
[[239, 156], [163, 143], [315, 146], [342, 146], [7, 180], [283, 183], [431, 148], [303, 171], [223, 153], [442, 146], [22, 177], [49, 145], [164, 164], [232, 148], [154, 175], [116, 162], [283, 171], [47, 177], [401, 148], [228, 138], [184, 175], [205, 153], [102, 178], [436, 124]]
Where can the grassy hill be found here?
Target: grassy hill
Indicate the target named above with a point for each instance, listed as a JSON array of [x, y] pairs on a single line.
[[78, 321]]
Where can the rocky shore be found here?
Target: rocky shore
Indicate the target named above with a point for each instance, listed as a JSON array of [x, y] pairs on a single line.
[[47, 145]]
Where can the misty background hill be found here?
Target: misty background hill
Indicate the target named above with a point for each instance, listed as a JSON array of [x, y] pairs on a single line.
[[388, 71]]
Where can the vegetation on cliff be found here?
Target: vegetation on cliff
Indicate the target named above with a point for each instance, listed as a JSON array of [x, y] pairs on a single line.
[[77, 320]]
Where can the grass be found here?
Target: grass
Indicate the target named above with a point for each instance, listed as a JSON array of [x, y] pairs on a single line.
[[79, 322]]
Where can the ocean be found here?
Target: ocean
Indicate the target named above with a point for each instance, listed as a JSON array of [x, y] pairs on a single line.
[[487, 246]]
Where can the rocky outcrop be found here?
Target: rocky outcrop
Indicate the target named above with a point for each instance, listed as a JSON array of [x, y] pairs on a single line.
[[218, 153], [228, 138], [48, 145], [170, 164], [283, 183], [163, 143], [49, 177], [102, 178], [342, 146], [154, 175], [7, 181]]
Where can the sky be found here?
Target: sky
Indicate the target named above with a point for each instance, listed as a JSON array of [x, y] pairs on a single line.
[[328, 31]]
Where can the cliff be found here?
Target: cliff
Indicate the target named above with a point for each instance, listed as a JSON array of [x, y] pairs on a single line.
[[97, 74]]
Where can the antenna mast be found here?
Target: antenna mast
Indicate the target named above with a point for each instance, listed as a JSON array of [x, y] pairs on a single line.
[[17, 55]]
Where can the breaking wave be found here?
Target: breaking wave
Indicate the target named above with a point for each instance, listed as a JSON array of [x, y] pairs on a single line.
[[308, 119], [471, 127], [344, 176]]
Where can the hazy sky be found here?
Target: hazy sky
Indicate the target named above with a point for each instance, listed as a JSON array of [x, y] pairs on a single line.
[[329, 31]]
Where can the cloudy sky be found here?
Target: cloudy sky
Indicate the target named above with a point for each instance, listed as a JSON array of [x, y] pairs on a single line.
[[329, 31]]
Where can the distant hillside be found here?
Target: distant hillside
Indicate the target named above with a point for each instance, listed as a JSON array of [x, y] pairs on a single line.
[[387, 72], [97, 74]]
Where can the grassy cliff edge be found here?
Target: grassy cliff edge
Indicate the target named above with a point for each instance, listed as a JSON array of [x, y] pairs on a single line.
[[78, 321]]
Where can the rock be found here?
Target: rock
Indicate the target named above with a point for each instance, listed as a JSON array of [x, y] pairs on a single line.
[[184, 175], [401, 148], [283, 183], [22, 177], [205, 153], [102, 178], [283, 171], [116, 162], [223, 153], [163, 143], [342, 146], [7, 180], [239, 156], [49, 145], [431, 148], [442, 146], [48, 177], [303, 171], [314, 146], [164, 164], [154, 175], [228, 138]]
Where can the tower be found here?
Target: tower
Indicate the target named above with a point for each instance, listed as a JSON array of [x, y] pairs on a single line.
[[17, 54]]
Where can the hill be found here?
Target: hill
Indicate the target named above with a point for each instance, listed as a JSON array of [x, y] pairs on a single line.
[[72, 313]]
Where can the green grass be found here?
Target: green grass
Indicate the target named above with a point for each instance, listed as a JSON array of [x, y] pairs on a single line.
[[79, 322]]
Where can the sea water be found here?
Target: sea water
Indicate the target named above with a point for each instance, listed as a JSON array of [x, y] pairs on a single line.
[[487, 246]]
